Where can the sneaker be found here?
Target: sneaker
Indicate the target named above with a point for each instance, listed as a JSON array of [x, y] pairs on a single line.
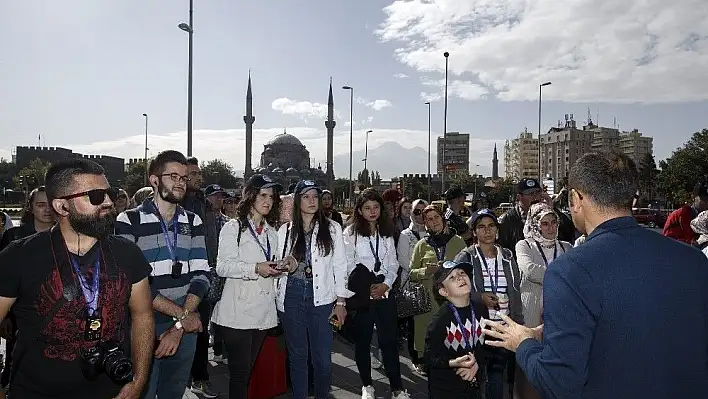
[[220, 359], [204, 389], [402, 394], [368, 392], [420, 369]]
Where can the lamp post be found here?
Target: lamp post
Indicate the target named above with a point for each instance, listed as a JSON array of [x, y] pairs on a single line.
[[444, 152], [145, 160], [429, 179], [366, 151], [540, 87], [351, 140], [189, 28]]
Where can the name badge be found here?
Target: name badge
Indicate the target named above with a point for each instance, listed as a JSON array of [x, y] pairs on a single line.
[[94, 327]]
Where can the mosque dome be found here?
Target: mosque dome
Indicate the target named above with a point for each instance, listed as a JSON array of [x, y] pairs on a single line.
[[285, 139]]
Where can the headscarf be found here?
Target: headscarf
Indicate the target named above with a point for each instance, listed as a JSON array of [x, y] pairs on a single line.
[[415, 226], [532, 228], [699, 225]]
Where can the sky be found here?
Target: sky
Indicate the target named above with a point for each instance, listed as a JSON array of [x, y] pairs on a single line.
[[81, 73]]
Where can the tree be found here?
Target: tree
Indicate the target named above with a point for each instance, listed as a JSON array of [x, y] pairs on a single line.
[[363, 177], [503, 191], [219, 172], [376, 178], [648, 174], [32, 175], [416, 187], [134, 178], [683, 169], [7, 170]]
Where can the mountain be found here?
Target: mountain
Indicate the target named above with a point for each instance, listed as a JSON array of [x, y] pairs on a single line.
[[390, 159]]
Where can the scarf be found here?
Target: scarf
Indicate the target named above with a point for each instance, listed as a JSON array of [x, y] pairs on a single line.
[[420, 228], [699, 225], [532, 228]]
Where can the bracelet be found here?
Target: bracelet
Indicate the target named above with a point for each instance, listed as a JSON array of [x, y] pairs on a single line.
[[341, 303], [182, 317]]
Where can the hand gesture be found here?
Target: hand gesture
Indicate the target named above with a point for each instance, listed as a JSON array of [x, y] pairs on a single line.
[[341, 313], [130, 390], [511, 334], [431, 268], [291, 263], [468, 374], [490, 300], [378, 290], [169, 343], [267, 269]]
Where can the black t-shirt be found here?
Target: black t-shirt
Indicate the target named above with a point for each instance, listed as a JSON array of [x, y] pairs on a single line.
[[47, 358], [444, 342]]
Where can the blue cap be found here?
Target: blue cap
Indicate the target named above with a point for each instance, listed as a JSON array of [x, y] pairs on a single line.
[[483, 213], [304, 186], [447, 268]]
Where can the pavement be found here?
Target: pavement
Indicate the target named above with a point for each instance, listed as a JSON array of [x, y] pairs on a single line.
[[345, 377]]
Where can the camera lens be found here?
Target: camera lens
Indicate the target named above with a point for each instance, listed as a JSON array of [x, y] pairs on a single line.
[[118, 367]]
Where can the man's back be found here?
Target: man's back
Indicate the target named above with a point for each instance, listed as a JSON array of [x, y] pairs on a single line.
[[634, 306]]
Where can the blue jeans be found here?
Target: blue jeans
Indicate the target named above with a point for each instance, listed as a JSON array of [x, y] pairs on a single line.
[[169, 376], [495, 373], [307, 331]]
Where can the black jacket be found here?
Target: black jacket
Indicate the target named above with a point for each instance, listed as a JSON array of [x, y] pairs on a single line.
[[511, 228]]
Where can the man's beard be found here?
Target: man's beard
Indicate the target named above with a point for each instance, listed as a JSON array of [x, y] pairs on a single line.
[[167, 195], [95, 225]]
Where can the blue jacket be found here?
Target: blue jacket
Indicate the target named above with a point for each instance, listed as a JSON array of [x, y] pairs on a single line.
[[626, 316]]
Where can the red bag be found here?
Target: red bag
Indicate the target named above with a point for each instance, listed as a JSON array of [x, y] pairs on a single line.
[[268, 379]]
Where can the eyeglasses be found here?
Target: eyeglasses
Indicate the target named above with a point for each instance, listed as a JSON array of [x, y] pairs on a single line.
[[96, 197], [176, 177]]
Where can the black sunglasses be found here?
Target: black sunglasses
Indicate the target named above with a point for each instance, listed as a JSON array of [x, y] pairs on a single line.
[[97, 196], [418, 212]]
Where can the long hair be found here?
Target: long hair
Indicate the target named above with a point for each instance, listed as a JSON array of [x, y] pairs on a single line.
[[361, 225], [325, 243], [244, 207], [27, 215]]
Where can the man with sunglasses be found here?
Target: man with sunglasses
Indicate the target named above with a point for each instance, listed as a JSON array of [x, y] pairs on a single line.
[[77, 291], [172, 240]]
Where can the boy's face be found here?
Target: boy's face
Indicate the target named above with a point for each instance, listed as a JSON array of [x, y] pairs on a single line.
[[456, 285]]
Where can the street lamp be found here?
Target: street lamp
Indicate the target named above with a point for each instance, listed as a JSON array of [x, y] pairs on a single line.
[[540, 87], [145, 160], [444, 152], [189, 28], [429, 193], [366, 150], [351, 140]]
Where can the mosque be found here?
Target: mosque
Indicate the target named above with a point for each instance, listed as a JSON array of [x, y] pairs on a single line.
[[284, 158]]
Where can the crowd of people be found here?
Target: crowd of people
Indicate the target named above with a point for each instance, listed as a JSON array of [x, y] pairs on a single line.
[[106, 296]]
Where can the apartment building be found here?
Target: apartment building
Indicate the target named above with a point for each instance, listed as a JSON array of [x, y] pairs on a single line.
[[457, 153], [521, 156], [562, 146], [636, 146]]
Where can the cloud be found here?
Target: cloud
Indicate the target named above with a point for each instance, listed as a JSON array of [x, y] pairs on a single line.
[[229, 144], [465, 90], [649, 51], [302, 109], [400, 75], [376, 105]]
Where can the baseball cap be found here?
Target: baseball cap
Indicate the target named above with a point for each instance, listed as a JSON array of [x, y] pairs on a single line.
[[701, 190], [447, 268], [527, 184], [480, 214], [304, 186], [214, 189], [453, 192], [258, 181]]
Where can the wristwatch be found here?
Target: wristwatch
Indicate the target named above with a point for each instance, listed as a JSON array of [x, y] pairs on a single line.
[[178, 325]]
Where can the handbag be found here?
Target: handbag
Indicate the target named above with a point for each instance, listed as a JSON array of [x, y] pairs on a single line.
[[412, 300], [216, 286]]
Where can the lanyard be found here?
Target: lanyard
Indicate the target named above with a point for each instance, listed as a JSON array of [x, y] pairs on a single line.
[[377, 265], [266, 249], [90, 291], [308, 249], [171, 246], [495, 281], [439, 251], [555, 252], [468, 340]]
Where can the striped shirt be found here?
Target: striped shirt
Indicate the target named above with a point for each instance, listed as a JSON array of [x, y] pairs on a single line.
[[146, 231], [501, 286]]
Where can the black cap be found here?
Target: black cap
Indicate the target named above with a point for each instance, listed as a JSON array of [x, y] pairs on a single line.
[[701, 190], [526, 185], [214, 189], [453, 193], [480, 214], [447, 268], [304, 186], [258, 181]]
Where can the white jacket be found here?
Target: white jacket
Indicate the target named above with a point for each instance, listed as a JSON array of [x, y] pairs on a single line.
[[329, 273], [359, 251], [248, 300]]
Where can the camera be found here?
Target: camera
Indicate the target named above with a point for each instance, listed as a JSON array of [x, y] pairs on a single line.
[[107, 357]]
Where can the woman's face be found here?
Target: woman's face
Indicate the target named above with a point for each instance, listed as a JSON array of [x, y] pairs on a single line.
[[121, 202], [434, 222], [309, 202], [549, 226], [390, 209], [405, 210], [40, 208], [370, 211], [230, 206], [264, 201], [486, 230], [418, 214]]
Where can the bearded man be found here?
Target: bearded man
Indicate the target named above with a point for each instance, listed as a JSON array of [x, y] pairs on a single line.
[[77, 291], [172, 240]]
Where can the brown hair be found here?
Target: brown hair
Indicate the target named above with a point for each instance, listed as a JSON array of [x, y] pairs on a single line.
[[361, 225]]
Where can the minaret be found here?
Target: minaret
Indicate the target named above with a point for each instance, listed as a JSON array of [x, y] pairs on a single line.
[[330, 124], [248, 119], [495, 164]]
